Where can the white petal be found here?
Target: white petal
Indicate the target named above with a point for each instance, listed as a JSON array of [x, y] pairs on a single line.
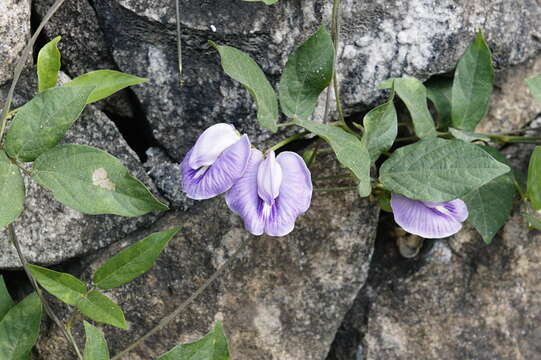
[[211, 143], [269, 179]]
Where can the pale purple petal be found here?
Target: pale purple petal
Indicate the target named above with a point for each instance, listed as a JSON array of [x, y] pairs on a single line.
[[426, 221], [207, 182], [456, 208], [269, 179], [295, 195], [243, 199], [211, 143]]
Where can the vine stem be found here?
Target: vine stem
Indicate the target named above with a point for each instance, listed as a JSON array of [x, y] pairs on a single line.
[[336, 14], [337, 189], [287, 141], [20, 65], [166, 320], [334, 177], [179, 44], [48, 310]]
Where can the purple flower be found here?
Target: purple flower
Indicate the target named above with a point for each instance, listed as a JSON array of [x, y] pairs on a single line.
[[272, 193], [431, 220], [217, 160]]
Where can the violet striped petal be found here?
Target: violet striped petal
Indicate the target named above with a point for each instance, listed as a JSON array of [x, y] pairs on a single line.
[[295, 195], [209, 181], [243, 198], [428, 219], [211, 144], [456, 208]]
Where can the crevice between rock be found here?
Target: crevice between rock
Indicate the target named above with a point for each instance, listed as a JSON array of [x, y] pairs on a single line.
[[123, 108]]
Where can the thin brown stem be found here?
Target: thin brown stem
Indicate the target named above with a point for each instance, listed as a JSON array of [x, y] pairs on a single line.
[[166, 320], [48, 310]]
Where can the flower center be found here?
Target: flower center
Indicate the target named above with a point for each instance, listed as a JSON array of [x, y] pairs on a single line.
[[269, 179], [200, 172]]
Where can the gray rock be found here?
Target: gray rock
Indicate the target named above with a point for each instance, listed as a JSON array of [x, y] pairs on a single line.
[[48, 231], [166, 175], [379, 40], [283, 299], [467, 301], [14, 32], [513, 106]]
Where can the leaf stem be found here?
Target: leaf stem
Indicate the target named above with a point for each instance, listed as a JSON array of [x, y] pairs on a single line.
[[291, 123], [523, 196], [14, 162], [48, 310], [287, 141], [166, 320], [20, 65]]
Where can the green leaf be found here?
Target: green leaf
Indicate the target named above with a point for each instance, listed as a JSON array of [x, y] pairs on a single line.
[[534, 84], [11, 191], [533, 221], [95, 344], [65, 287], [490, 205], [93, 182], [133, 261], [73, 291], [239, 66], [472, 85], [380, 129], [48, 65], [307, 73], [19, 329], [439, 170], [267, 2], [100, 308], [468, 136], [42, 122], [439, 91], [212, 347], [413, 94], [350, 152], [6, 302], [105, 83], [534, 179]]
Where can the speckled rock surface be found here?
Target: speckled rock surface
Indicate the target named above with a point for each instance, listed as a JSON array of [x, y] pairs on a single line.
[[282, 300], [48, 231], [468, 300], [379, 40], [513, 106], [14, 31]]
